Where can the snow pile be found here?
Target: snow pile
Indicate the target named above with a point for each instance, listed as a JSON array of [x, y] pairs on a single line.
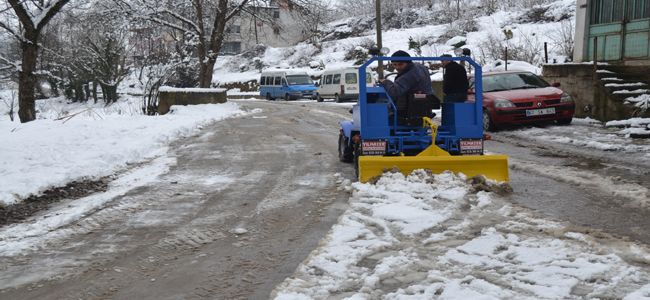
[[590, 134], [189, 90], [513, 65], [434, 237], [76, 141]]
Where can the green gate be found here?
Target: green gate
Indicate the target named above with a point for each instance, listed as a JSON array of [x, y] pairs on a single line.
[[621, 29]]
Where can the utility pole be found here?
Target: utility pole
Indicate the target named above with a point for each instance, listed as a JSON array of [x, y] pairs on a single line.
[[380, 68]]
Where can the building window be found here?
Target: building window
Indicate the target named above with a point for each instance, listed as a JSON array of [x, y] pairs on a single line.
[[614, 11], [276, 14], [234, 29], [231, 48]]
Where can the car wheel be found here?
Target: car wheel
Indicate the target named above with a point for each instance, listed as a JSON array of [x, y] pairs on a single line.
[[488, 125], [337, 99], [287, 97], [268, 97], [564, 121], [319, 98], [355, 161], [345, 151]]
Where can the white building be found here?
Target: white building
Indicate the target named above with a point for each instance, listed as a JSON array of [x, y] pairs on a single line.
[[270, 22]]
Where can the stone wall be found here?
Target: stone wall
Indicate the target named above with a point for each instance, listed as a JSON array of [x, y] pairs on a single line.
[[577, 81], [177, 96], [591, 96]]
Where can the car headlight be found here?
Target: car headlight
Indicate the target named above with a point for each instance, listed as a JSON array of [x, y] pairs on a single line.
[[566, 98], [503, 103]]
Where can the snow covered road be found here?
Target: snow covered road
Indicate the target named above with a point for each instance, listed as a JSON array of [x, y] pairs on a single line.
[[260, 205]]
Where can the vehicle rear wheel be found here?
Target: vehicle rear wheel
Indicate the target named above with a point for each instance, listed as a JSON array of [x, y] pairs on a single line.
[[346, 153], [337, 98], [488, 125], [268, 97], [355, 161], [287, 97], [319, 98], [564, 121]]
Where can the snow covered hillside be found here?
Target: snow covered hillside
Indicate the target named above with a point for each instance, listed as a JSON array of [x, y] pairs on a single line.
[[523, 35]]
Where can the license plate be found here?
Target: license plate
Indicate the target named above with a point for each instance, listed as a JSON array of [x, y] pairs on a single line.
[[540, 112], [373, 147], [471, 146]]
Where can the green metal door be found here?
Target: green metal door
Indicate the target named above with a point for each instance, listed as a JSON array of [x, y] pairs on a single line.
[[621, 28]]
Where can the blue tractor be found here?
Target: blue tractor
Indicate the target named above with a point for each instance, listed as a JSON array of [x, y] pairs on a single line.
[[381, 137]]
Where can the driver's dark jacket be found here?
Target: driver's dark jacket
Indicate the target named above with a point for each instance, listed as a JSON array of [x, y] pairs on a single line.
[[415, 79]]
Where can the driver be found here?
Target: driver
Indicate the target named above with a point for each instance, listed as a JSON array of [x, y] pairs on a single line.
[[411, 78]]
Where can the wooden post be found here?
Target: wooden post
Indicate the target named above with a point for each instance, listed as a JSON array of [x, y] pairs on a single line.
[[506, 58], [380, 68]]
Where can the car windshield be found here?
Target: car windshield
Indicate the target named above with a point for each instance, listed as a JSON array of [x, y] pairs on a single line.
[[299, 79], [512, 81]]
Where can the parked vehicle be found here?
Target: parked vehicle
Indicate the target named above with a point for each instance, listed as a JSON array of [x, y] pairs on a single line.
[[287, 84], [517, 97], [341, 84]]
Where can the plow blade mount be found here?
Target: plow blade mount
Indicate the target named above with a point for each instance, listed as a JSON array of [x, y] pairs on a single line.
[[493, 167]]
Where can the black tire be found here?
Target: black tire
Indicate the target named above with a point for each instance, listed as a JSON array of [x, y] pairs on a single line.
[[337, 99], [287, 97], [564, 121], [488, 125], [346, 153], [268, 97], [319, 98]]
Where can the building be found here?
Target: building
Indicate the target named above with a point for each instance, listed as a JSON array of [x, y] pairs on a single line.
[[619, 31], [270, 22]]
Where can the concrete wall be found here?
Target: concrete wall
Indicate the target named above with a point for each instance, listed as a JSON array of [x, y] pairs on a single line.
[[581, 38], [590, 95], [188, 97]]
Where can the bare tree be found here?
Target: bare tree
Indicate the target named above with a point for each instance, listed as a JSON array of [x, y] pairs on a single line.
[[32, 16], [205, 19]]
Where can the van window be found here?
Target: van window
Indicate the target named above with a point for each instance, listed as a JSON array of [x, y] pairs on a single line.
[[368, 78], [284, 81], [336, 79], [263, 81], [328, 79], [350, 78], [278, 80], [299, 79]]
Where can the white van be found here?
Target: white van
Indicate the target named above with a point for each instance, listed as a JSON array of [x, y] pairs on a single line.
[[341, 84]]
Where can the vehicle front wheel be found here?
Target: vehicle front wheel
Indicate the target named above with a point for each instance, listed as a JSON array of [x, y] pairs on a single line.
[[488, 124], [268, 97], [346, 153], [287, 97], [319, 98], [564, 121], [337, 98]]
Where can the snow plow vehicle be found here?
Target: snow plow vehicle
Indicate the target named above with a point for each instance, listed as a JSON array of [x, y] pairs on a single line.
[[380, 137]]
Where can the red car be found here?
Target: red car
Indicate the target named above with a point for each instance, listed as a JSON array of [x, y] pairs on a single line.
[[516, 97]]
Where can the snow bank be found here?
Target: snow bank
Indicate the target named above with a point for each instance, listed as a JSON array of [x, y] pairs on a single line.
[[634, 122], [92, 142], [190, 90], [420, 237]]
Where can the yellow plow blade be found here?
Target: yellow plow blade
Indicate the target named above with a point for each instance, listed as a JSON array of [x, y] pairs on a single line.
[[493, 167]]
